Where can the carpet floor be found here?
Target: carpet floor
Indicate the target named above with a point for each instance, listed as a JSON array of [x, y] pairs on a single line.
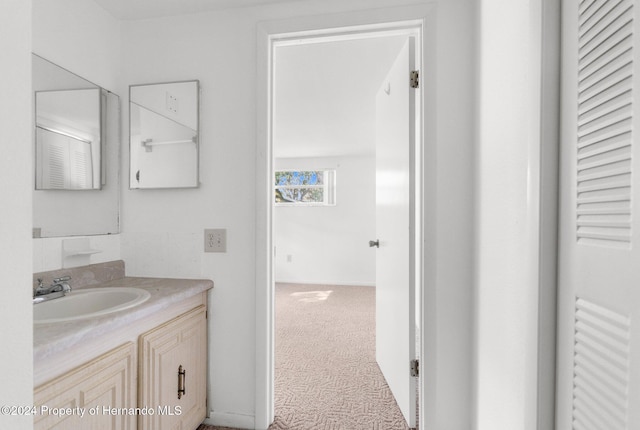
[[326, 375]]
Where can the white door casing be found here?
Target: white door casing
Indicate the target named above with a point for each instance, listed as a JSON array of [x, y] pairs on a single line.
[[395, 279], [599, 260]]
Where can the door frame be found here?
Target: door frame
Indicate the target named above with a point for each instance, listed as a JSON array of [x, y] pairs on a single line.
[[340, 26]]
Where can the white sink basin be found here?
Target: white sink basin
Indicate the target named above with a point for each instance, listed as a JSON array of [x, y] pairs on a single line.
[[88, 303]]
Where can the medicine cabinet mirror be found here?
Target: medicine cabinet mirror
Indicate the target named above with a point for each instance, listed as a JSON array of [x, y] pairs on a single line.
[[77, 154], [164, 134]]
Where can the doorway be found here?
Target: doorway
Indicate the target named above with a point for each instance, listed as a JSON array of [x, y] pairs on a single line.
[[322, 159]]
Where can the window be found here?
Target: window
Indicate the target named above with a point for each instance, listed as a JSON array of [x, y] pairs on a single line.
[[305, 187]]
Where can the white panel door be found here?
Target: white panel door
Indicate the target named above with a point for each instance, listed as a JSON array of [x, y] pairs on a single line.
[[599, 266], [395, 297]]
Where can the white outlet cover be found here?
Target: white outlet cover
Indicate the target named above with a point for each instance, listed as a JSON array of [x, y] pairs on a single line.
[[215, 240]]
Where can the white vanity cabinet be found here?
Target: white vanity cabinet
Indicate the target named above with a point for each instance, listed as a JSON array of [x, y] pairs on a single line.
[[172, 373], [132, 362], [85, 397]]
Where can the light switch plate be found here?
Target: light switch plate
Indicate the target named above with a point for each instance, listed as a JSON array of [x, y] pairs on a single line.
[[215, 240]]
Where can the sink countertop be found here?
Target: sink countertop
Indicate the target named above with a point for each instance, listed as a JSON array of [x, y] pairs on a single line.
[[52, 338]]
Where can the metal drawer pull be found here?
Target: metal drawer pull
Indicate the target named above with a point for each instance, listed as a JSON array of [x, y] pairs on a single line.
[[181, 380]]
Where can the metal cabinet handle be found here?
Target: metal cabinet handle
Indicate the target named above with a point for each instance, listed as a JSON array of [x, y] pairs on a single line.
[[181, 382], [375, 243]]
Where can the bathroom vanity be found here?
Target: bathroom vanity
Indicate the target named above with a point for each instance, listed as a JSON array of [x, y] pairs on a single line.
[[140, 368]]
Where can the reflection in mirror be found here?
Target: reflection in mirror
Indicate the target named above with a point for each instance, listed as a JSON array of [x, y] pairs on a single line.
[[164, 135], [68, 139], [77, 135]]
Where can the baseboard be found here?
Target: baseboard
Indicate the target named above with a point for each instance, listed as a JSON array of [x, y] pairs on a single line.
[[346, 283], [227, 419]]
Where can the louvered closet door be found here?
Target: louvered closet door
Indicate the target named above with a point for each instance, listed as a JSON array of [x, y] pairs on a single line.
[[599, 277]]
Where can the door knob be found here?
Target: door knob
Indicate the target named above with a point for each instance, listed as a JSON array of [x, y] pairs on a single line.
[[375, 243]]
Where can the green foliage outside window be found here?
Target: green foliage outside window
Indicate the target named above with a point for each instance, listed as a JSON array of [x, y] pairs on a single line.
[[300, 186]]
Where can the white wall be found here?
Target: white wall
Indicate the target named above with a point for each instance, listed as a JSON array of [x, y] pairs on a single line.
[[81, 37], [163, 229], [448, 75], [47, 252], [329, 244], [162, 226], [448, 71], [517, 116], [504, 328], [15, 220]]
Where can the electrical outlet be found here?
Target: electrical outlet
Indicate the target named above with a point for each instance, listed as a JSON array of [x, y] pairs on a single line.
[[215, 240]]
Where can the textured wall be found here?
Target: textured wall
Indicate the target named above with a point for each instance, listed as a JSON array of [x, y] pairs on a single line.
[[329, 245]]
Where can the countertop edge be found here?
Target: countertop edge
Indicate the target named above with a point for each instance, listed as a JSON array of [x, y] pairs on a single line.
[[51, 339]]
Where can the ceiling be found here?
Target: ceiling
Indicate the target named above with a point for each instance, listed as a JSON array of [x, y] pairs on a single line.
[[144, 9], [325, 96]]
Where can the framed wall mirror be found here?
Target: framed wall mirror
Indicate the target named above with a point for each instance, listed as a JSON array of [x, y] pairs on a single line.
[[77, 154], [164, 135]]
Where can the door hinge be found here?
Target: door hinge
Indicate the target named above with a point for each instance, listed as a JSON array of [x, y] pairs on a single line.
[[415, 368], [414, 79]]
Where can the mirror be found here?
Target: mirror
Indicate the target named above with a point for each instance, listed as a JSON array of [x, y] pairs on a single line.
[[164, 135], [77, 148], [68, 139]]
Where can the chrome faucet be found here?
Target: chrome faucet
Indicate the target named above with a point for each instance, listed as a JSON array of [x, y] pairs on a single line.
[[59, 288]]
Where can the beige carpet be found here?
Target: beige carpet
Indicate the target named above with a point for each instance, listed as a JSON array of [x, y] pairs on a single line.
[[326, 376]]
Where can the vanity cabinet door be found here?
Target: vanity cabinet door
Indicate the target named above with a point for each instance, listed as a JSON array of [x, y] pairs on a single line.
[[96, 395], [173, 373]]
